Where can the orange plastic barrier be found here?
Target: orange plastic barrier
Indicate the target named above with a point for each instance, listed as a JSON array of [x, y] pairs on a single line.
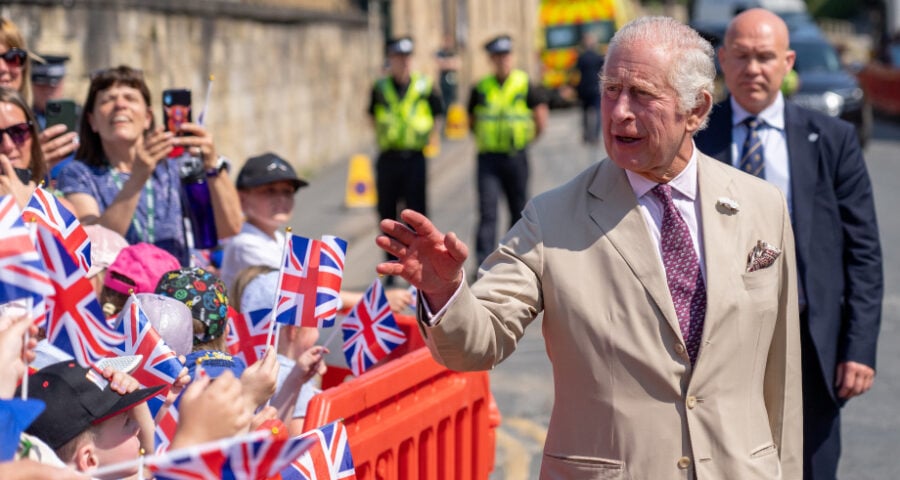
[[413, 419]]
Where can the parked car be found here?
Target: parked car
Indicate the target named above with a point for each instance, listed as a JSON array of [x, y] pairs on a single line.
[[826, 84]]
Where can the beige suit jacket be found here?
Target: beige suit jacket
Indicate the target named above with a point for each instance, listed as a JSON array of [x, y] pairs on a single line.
[[628, 404]]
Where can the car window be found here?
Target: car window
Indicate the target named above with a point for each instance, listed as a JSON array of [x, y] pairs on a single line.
[[816, 58]]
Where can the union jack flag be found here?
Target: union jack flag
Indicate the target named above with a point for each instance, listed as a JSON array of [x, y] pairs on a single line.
[[296, 304], [331, 273], [370, 331], [265, 457], [22, 274], [328, 459], [159, 365], [165, 429], [201, 462], [46, 210], [232, 342], [76, 323], [251, 330]]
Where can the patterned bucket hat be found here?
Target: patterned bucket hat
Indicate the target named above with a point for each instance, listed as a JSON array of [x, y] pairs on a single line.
[[203, 293]]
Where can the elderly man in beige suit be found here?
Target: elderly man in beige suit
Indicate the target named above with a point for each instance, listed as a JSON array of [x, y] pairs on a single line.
[[667, 281]]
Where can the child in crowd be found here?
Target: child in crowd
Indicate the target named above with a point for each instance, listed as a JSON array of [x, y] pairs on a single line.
[[89, 420], [205, 295], [138, 267], [266, 187], [299, 358]]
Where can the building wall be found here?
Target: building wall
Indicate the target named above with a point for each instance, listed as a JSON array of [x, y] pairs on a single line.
[[284, 82]]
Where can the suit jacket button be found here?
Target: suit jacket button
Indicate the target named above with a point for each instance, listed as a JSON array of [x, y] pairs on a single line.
[[679, 348], [691, 402], [684, 463]]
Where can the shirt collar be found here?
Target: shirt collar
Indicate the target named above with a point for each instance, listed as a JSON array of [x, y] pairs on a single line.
[[684, 183], [773, 115]]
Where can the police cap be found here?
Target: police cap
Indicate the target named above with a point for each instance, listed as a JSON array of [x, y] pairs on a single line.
[[499, 44], [51, 72], [399, 46]]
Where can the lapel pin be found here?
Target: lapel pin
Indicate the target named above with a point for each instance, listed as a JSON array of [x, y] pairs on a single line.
[[813, 137], [727, 204]]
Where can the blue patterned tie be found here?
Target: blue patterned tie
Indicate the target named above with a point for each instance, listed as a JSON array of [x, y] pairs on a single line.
[[752, 159], [683, 276]]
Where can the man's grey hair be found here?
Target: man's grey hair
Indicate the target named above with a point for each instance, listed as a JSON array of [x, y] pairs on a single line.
[[692, 70]]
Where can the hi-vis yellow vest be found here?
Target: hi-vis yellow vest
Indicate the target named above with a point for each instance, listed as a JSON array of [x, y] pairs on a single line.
[[504, 123], [404, 124]]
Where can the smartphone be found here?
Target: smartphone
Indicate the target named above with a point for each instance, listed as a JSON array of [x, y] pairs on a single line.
[[176, 108], [61, 111], [23, 173]]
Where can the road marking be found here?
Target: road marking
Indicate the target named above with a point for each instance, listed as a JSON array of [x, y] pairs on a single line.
[[516, 458], [535, 431]]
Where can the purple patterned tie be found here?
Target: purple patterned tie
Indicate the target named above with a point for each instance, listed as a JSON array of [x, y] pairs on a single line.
[[682, 272]]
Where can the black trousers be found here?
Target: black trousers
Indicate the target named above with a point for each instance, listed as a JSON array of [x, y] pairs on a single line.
[[821, 415], [590, 120], [498, 172], [400, 178]]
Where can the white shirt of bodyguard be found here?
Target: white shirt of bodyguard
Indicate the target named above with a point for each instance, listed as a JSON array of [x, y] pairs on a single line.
[[685, 191], [774, 142], [250, 247]]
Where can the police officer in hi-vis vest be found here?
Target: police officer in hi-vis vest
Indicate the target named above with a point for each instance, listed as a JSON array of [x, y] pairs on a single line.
[[404, 107], [507, 114]]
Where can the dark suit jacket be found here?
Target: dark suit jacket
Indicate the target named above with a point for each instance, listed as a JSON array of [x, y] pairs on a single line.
[[836, 234]]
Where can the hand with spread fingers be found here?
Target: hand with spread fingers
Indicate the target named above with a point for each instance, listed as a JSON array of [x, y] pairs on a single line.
[[426, 258], [153, 148]]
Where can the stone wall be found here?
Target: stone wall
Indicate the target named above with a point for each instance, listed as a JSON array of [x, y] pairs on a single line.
[[290, 76], [290, 82]]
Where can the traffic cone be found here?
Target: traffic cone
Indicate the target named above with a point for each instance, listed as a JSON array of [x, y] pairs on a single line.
[[457, 125], [360, 183]]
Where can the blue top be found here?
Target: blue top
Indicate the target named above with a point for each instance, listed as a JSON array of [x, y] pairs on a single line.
[[165, 185]]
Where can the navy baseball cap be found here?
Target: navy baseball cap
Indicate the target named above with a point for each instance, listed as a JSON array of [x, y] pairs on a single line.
[[499, 44], [75, 401], [268, 168], [400, 46]]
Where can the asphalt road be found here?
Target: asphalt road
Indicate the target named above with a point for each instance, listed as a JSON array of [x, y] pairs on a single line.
[[522, 385]]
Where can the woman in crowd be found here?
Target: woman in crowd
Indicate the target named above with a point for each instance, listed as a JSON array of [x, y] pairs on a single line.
[[21, 159], [15, 73], [124, 179]]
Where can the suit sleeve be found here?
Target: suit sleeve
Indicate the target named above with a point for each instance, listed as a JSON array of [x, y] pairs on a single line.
[[863, 275], [483, 324], [783, 384]]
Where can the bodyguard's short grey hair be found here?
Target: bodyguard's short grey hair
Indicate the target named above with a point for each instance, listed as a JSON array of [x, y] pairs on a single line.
[[692, 70]]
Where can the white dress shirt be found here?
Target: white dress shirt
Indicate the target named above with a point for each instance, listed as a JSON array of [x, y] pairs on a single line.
[[685, 197], [774, 142]]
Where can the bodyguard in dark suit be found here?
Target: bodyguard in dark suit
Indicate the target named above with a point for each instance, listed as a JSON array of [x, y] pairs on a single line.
[[816, 160]]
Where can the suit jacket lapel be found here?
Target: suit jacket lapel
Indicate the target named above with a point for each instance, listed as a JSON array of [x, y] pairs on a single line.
[[803, 158], [720, 227], [617, 215]]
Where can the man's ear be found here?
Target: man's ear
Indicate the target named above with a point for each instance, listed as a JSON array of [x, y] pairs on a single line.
[[86, 457], [699, 113]]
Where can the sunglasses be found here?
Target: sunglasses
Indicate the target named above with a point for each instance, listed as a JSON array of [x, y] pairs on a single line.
[[18, 133], [14, 56]]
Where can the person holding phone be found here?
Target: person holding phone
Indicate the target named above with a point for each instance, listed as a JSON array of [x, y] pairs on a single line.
[[21, 158], [15, 73], [123, 177], [51, 109]]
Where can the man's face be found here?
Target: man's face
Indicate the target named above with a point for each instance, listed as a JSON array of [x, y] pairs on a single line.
[[41, 92], [755, 58], [502, 63], [399, 65], [643, 128]]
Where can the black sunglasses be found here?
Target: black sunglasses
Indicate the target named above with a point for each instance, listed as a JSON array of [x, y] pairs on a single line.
[[18, 133], [14, 56]]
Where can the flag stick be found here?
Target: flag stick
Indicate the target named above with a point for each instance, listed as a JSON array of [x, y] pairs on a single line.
[[335, 329], [201, 119], [28, 307], [284, 253]]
